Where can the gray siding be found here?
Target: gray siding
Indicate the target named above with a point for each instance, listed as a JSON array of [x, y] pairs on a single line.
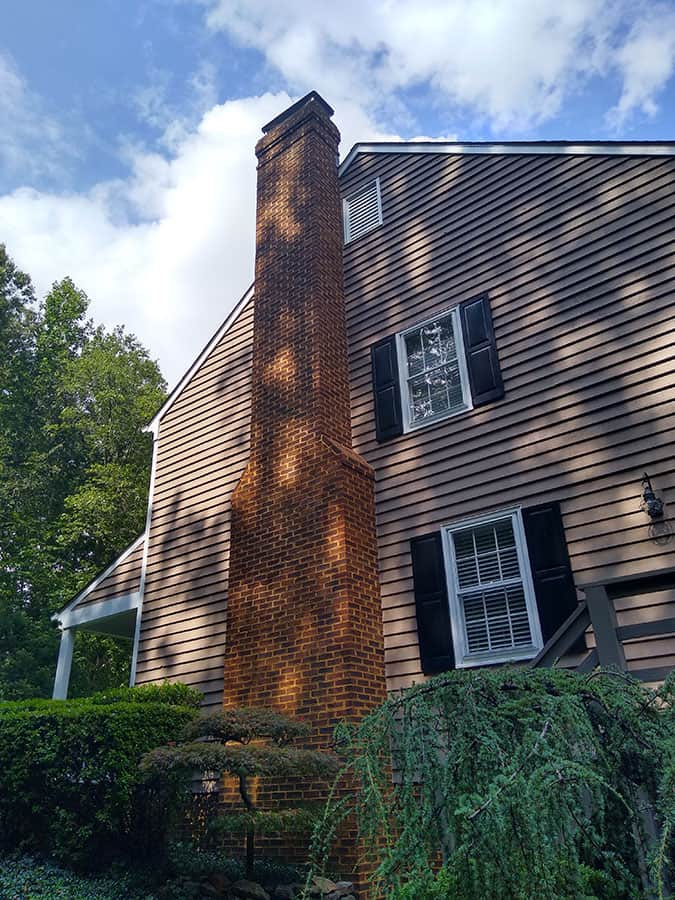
[[578, 257], [123, 578], [202, 450]]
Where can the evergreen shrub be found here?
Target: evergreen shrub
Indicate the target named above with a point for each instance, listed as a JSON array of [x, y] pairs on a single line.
[[69, 779], [513, 783]]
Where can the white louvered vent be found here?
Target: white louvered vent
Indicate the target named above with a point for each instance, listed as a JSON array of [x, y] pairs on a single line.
[[362, 211]]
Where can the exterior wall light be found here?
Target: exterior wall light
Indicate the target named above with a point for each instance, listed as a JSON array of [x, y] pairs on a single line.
[[651, 504]]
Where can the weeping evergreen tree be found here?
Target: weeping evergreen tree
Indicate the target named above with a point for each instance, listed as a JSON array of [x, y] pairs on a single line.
[[513, 783]]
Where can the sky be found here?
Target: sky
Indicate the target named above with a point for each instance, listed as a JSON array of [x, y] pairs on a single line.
[[127, 127]]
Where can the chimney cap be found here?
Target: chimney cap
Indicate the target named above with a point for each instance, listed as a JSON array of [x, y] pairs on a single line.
[[312, 97]]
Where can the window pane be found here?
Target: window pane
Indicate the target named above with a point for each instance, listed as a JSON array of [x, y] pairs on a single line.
[[413, 349], [496, 619], [434, 380], [486, 553], [490, 588], [435, 392]]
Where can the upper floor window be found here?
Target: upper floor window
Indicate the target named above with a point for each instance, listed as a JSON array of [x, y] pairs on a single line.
[[362, 210], [436, 368], [434, 377]]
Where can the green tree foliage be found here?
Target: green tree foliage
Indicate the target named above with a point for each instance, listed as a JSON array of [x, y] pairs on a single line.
[[69, 779], [527, 784], [74, 466], [245, 744]]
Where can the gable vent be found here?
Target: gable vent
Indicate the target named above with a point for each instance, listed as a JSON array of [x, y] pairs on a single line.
[[362, 211]]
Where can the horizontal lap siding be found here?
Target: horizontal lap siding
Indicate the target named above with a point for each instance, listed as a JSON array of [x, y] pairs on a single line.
[[202, 451], [124, 579], [578, 257]]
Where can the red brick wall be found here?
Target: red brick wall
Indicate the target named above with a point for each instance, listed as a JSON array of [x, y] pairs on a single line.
[[304, 631]]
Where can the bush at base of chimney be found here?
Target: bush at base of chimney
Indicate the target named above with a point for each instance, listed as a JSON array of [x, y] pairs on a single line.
[[69, 780], [245, 744]]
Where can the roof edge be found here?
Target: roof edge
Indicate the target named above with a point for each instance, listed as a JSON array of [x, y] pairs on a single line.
[[153, 424], [99, 578], [572, 148]]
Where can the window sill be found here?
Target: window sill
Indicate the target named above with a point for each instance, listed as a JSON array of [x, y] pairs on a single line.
[[493, 659]]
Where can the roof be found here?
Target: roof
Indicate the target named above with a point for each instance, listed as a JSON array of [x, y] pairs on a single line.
[[203, 356], [572, 148], [134, 545]]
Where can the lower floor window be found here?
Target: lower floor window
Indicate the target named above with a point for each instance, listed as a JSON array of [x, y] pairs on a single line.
[[492, 605]]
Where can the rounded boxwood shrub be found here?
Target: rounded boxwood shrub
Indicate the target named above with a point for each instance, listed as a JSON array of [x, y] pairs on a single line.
[[69, 779]]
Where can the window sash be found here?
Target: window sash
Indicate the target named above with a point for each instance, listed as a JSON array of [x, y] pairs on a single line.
[[457, 595], [458, 362]]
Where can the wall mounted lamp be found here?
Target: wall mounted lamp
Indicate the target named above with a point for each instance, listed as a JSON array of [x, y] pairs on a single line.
[[651, 504]]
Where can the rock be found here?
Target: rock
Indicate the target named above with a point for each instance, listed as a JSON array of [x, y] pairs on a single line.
[[208, 890], [284, 892], [342, 888], [324, 885], [249, 890], [220, 882]]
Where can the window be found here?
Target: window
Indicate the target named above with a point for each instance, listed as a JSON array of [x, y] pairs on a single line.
[[492, 604], [438, 368], [434, 382], [362, 211]]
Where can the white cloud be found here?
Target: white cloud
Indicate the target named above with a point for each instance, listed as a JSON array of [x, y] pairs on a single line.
[[647, 62], [168, 250], [514, 62], [25, 124]]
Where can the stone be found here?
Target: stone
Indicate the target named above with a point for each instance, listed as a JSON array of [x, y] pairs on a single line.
[[249, 890], [284, 892], [220, 882], [344, 887], [208, 890], [324, 885]]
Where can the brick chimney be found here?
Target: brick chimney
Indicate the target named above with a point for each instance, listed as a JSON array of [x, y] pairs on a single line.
[[304, 632]]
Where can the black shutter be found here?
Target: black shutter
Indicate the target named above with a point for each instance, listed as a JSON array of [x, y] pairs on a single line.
[[431, 603], [485, 375], [551, 570], [386, 388]]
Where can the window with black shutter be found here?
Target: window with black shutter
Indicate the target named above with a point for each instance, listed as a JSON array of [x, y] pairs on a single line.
[[492, 602], [492, 589], [443, 366]]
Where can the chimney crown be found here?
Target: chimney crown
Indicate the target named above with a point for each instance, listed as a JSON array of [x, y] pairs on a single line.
[[313, 101]]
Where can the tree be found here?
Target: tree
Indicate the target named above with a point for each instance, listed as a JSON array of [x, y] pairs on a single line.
[[539, 783], [74, 466], [245, 744]]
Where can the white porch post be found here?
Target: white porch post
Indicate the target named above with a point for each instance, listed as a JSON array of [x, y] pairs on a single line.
[[62, 676]]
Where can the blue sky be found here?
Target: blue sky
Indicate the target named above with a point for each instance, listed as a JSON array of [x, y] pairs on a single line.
[[127, 126]]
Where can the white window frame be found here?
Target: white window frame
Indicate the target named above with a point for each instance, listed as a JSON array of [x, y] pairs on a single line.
[[403, 375], [464, 659]]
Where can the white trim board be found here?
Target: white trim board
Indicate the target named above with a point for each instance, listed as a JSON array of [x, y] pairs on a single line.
[[102, 609], [95, 583], [146, 548], [570, 148], [203, 356]]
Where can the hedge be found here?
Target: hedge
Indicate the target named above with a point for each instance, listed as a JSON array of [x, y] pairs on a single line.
[[69, 779]]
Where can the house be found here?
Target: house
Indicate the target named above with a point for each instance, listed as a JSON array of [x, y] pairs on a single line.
[[456, 407]]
